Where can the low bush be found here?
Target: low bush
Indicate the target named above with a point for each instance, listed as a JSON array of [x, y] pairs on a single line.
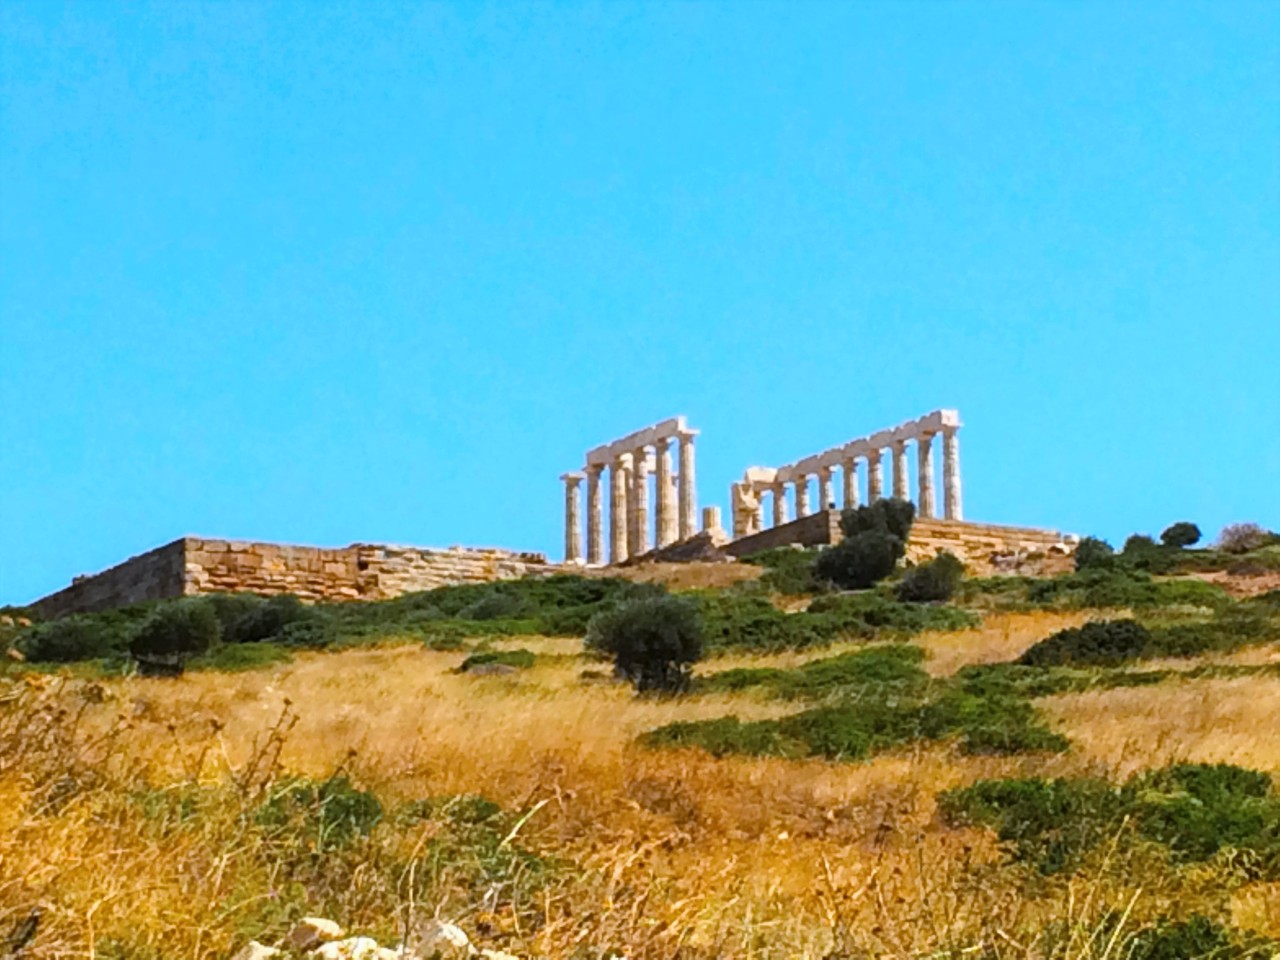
[[789, 571], [931, 582], [1243, 537], [654, 642], [1093, 553], [1097, 643], [1196, 938], [175, 632], [519, 659], [234, 657], [732, 620], [254, 620], [884, 667], [1193, 810], [322, 815], [1114, 587], [76, 638]]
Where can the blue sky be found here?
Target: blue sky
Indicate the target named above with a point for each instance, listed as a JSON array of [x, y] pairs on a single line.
[[327, 272]]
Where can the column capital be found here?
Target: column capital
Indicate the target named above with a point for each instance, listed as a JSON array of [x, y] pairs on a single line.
[[573, 478]]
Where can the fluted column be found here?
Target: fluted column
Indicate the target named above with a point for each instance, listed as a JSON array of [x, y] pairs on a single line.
[[757, 510], [901, 479], [875, 476], [572, 517], [639, 530], [619, 480], [595, 516], [666, 501], [924, 464], [802, 496], [849, 470], [688, 492], [826, 495], [779, 504], [951, 500]]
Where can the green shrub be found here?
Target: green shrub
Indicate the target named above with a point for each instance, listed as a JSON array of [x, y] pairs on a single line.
[[265, 620], [654, 642], [725, 736], [324, 815], [1195, 938], [176, 631], [860, 561], [1180, 535], [1099, 642], [496, 605], [732, 620], [520, 659], [75, 638], [990, 724], [884, 667], [789, 571], [933, 581], [891, 516], [1094, 553], [235, 657]]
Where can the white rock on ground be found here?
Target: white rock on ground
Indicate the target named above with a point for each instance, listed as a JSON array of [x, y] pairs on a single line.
[[253, 950], [437, 937], [309, 932], [353, 948]]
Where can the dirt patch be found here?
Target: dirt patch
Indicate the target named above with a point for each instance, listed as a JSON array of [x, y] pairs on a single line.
[[1242, 585]]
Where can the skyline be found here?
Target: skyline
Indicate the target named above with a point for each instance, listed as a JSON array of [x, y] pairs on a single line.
[[382, 272]]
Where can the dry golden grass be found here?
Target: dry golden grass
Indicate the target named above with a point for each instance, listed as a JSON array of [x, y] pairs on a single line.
[[677, 854]]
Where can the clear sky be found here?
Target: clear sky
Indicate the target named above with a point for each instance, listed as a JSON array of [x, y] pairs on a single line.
[[323, 272]]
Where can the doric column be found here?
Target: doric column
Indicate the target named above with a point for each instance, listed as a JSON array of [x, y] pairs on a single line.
[[619, 480], [688, 493], [901, 482], [779, 504], [595, 516], [666, 501], [924, 463], [711, 518], [875, 476], [572, 517], [639, 530], [802, 496], [951, 501], [849, 469], [757, 511], [739, 519], [826, 495]]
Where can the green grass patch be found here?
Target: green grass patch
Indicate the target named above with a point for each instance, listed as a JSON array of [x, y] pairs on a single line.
[[235, 657], [518, 659], [888, 666]]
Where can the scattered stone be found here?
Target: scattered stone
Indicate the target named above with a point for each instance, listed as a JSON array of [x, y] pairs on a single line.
[[353, 948], [491, 670], [14, 654], [435, 937], [253, 950], [310, 932], [24, 621], [6, 620]]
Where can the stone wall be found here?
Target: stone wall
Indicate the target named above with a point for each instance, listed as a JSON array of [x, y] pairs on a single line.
[[154, 575], [194, 565], [979, 545]]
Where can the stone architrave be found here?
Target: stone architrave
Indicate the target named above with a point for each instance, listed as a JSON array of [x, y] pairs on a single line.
[[875, 476], [802, 496], [619, 482], [640, 502], [849, 471], [924, 465], [688, 493], [779, 504], [952, 507], [667, 520], [572, 517], [595, 517], [826, 494], [901, 477]]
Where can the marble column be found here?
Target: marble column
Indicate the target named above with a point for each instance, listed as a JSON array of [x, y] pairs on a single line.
[[875, 476], [572, 517], [826, 495], [925, 508], [619, 481], [779, 504], [666, 500], [802, 496], [688, 493], [595, 516], [951, 501], [757, 512], [901, 479], [639, 502], [849, 469]]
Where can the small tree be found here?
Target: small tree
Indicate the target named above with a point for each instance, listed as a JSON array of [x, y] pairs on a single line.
[[1138, 543], [932, 581], [884, 516], [175, 632], [1242, 537], [861, 561], [1180, 535], [1094, 553], [654, 641]]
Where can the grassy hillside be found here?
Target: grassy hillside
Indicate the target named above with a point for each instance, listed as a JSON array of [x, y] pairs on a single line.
[[857, 778]]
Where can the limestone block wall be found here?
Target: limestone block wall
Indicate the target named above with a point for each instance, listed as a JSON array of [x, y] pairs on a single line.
[[195, 565], [154, 575]]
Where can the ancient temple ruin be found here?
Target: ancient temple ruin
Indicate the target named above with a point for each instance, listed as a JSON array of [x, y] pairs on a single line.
[[748, 494], [631, 462]]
